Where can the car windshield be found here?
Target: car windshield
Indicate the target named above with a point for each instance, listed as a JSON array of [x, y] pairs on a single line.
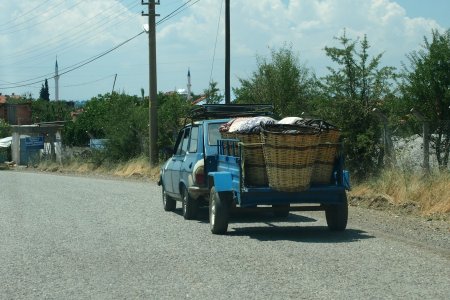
[[213, 133]]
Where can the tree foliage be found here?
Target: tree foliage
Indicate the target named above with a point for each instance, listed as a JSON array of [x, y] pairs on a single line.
[[119, 118], [46, 111], [351, 91], [172, 114], [44, 93], [426, 88], [281, 81], [5, 129], [212, 94]]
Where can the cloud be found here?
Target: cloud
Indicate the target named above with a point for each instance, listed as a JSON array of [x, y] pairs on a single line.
[[76, 30]]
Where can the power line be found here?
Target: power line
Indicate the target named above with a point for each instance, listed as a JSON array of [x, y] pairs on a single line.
[[89, 82], [43, 21], [94, 58], [215, 43], [25, 13], [74, 67], [73, 40]]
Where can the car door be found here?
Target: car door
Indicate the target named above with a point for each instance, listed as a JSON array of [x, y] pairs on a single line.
[[169, 168], [179, 158]]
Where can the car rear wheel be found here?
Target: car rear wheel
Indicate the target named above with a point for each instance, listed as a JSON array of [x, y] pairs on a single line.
[[190, 206], [169, 203]]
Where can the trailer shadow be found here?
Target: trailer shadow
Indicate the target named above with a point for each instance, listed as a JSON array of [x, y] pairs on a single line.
[[250, 217], [310, 234]]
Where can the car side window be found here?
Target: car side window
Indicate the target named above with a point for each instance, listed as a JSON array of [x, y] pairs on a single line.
[[177, 148], [194, 140], [184, 145]]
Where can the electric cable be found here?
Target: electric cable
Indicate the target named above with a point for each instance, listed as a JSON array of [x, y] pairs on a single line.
[[215, 43], [87, 61]]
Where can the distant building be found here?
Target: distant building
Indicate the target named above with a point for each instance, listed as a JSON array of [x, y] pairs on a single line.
[[14, 113]]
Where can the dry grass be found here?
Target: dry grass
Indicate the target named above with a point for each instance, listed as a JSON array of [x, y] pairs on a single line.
[[135, 168], [430, 195]]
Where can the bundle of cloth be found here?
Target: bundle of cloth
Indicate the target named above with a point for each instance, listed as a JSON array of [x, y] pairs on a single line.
[[246, 125]]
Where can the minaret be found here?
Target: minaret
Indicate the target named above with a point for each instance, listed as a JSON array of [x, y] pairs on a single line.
[[56, 81], [189, 85]]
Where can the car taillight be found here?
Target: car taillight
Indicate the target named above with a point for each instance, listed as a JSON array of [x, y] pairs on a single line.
[[199, 176]]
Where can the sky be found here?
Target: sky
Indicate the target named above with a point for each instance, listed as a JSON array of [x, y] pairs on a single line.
[[34, 33]]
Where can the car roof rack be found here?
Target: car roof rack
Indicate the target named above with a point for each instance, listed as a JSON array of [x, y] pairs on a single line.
[[218, 111]]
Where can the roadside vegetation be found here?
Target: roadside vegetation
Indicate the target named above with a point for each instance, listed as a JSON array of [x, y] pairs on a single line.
[[370, 102]]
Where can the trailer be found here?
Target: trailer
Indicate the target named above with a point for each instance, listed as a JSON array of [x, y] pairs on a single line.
[[229, 192]]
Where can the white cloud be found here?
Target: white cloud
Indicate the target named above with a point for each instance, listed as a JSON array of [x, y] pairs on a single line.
[[188, 39]]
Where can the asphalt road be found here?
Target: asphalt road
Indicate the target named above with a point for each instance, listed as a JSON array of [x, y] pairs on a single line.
[[65, 237]]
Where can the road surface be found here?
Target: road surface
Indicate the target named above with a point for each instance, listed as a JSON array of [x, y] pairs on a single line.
[[69, 237]]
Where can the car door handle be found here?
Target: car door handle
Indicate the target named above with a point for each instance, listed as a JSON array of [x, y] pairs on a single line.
[[190, 165]]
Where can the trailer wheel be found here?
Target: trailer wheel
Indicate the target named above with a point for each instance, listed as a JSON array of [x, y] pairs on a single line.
[[337, 215], [281, 210], [219, 210], [169, 203], [190, 206]]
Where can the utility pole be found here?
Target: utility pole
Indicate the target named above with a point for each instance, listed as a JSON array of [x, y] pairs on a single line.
[[153, 92], [227, 52]]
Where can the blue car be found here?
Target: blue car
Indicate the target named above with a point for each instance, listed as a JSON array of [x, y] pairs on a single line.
[[182, 177]]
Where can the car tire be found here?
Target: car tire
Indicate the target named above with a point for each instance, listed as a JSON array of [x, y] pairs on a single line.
[[190, 206], [219, 210], [281, 210], [337, 215], [169, 204]]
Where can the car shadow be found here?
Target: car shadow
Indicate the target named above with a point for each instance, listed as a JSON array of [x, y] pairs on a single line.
[[310, 234], [276, 232]]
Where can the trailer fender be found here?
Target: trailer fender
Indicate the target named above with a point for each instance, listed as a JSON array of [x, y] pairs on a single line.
[[221, 181]]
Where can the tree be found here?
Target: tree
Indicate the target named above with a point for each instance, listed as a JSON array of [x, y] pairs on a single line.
[[351, 91], [425, 87], [281, 81], [212, 94], [5, 129], [172, 112], [44, 94]]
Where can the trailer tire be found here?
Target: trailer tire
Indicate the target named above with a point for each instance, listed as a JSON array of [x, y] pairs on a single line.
[[219, 210], [337, 215], [169, 204], [190, 205], [281, 210]]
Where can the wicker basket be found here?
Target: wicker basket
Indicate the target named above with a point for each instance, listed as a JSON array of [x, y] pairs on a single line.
[[289, 153], [326, 154], [254, 167]]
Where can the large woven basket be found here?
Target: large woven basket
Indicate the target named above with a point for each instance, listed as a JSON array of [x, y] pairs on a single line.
[[254, 168], [289, 153], [326, 152]]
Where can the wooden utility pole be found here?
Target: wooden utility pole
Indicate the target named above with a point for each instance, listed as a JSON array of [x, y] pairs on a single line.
[[227, 52], [153, 92]]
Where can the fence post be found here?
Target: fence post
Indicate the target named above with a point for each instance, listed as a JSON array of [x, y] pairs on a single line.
[[426, 139], [387, 138]]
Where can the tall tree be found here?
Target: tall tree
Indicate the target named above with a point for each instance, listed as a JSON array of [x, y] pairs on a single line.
[[212, 94], [281, 81], [44, 94], [352, 90], [426, 87]]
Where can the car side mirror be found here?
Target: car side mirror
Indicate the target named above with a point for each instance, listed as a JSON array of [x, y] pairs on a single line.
[[168, 151]]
